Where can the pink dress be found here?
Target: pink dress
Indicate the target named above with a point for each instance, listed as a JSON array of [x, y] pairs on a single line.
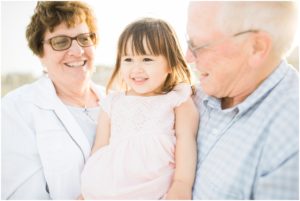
[[138, 163]]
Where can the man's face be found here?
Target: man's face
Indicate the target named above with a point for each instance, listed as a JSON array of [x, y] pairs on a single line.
[[219, 57]]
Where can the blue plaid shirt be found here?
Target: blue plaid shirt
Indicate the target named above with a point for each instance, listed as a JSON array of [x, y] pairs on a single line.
[[251, 151]]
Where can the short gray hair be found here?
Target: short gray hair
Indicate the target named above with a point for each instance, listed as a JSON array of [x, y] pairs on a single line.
[[278, 18]]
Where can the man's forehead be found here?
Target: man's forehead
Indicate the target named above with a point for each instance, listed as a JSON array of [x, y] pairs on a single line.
[[204, 10], [202, 16], [204, 5], [199, 33]]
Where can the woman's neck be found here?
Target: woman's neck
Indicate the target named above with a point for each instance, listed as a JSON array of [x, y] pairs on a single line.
[[79, 96]]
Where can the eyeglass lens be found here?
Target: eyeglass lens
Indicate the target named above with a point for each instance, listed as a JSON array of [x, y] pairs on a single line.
[[195, 50], [64, 42]]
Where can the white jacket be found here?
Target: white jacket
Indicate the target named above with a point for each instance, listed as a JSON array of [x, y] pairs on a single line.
[[43, 147]]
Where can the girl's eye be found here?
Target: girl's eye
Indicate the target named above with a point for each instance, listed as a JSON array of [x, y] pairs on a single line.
[[147, 59], [127, 59]]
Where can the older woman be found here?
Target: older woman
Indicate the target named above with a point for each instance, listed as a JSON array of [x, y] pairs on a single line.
[[48, 126]]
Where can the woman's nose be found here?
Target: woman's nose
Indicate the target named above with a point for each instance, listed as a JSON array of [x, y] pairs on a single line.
[[75, 49]]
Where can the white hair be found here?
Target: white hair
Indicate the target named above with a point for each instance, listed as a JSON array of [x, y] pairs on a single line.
[[278, 18]]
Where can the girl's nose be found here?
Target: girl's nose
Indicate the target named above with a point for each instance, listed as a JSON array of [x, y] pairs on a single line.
[[137, 67]]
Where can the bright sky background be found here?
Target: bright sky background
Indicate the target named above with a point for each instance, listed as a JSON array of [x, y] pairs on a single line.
[[112, 16]]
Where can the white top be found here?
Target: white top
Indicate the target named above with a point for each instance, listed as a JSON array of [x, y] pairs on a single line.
[[87, 120], [138, 163], [43, 147]]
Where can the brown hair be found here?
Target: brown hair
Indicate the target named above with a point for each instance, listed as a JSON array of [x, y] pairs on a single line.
[[161, 39], [49, 14]]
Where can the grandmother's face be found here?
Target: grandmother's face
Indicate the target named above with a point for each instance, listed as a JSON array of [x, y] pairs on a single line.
[[70, 67]]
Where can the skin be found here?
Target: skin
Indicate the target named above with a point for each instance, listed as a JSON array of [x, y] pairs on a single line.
[[70, 69], [232, 69], [144, 74]]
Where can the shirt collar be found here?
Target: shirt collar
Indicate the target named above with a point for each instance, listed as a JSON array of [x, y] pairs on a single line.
[[268, 84]]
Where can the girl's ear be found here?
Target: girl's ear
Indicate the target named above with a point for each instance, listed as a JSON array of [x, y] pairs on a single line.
[[261, 46]]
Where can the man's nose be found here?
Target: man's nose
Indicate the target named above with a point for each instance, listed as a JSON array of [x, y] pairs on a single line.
[[189, 56]]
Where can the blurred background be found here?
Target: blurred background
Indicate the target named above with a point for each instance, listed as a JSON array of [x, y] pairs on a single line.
[[20, 66]]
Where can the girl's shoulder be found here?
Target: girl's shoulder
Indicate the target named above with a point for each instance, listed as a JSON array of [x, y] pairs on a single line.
[[180, 93], [110, 99], [182, 88], [113, 95]]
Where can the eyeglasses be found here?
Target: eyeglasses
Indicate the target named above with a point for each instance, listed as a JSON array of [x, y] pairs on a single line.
[[60, 43], [194, 50]]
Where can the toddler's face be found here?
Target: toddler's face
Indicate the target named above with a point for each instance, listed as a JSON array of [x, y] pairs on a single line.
[[144, 74]]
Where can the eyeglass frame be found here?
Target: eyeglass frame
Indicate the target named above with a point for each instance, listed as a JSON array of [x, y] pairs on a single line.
[[195, 49], [48, 41]]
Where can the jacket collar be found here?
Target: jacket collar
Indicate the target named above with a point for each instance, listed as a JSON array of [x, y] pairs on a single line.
[[45, 98], [45, 94], [268, 84]]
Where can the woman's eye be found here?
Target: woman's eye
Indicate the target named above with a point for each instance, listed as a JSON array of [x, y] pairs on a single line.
[[147, 59]]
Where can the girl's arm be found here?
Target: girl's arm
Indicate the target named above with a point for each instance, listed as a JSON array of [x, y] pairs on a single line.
[[102, 135], [102, 132], [186, 127]]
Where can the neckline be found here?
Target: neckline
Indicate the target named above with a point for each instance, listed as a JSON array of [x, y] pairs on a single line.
[[79, 103], [139, 96], [82, 108]]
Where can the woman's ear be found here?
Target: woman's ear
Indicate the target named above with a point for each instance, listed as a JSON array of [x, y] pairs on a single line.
[[261, 48], [45, 70]]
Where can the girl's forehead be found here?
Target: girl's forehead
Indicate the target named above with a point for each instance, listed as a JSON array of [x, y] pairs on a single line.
[[135, 48]]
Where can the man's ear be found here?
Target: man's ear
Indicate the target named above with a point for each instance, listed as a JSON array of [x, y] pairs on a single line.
[[261, 48]]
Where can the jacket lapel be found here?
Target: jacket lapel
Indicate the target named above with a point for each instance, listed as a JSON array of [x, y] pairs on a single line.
[[47, 99]]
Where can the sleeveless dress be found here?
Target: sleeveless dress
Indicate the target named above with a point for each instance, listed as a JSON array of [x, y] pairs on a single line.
[[138, 163]]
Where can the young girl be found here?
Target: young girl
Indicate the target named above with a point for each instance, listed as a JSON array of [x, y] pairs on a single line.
[[134, 155]]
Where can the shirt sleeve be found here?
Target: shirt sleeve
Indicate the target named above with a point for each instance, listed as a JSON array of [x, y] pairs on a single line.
[[107, 102], [280, 183], [278, 172], [181, 93], [22, 175]]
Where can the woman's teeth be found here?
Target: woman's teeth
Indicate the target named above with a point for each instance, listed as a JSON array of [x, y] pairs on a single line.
[[76, 64]]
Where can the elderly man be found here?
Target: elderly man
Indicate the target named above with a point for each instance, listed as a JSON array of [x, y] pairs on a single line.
[[248, 99]]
